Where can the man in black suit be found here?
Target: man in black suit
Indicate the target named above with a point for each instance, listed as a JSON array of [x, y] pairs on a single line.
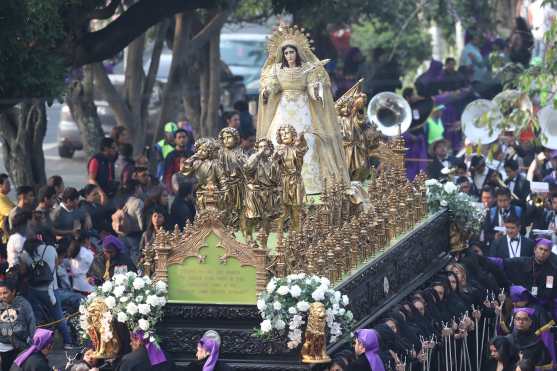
[[512, 245], [497, 215], [441, 160], [481, 174], [517, 183]]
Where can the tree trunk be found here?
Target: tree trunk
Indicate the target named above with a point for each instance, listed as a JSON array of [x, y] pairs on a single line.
[[214, 85], [204, 76], [135, 77], [22, 131], [84, 112], [171, 97], [151, 79]]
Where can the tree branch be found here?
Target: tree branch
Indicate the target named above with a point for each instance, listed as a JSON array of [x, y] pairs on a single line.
[[117, 104], [100, 45], [203, 36], [104, 13]]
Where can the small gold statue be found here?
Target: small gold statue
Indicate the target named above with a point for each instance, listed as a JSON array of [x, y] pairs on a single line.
[[290, 157], [314, 349], [262, 202], [350, 109], [232, 162], [204, 164], [104, 348]]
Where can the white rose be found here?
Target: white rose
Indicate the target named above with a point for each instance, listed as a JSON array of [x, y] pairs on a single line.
[[161, 287], [271, 286], [302, 306], [131, 274], [138, 283], [337, 295], [283, 290], [144, 308], [295, 291], [292, 310], [341, 311], [124, 299], [277, 305], [444, 203], [292, 344], [318, 295], [325, 281], [119, 291], [431, 182], [107, 286], [119, 279], [280, 324], [143, 324], [147, 280], [345, 300], [266, 326], [152, 300], [122, 317], [131, 308], [261, 305], [162, 301], [450, 187], [110, 302], [301, 276]]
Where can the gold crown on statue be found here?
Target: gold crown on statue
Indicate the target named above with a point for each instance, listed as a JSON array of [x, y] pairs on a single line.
[[289, 35]]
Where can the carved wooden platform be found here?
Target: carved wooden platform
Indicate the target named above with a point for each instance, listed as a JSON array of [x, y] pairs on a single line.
[[373, 289]]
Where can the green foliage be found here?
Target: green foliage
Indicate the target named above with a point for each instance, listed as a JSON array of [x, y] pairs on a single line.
[[29, 63], [410, 46]]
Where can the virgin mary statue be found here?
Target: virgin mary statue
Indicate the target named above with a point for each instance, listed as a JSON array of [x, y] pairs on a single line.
[[296, 90]]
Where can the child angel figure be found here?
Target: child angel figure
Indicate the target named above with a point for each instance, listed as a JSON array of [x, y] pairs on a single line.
[[290, 158]]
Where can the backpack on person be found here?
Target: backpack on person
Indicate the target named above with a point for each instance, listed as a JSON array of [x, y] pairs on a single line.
[[121, 221], [41, 274]]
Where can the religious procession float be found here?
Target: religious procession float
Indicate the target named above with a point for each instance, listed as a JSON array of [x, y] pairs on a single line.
[[296, 245]]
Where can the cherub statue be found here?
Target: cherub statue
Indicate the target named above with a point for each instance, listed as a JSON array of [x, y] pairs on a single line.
[[355, 133], [232, 162], [290, 157], [206, 167], [263, 182], [314, 349]]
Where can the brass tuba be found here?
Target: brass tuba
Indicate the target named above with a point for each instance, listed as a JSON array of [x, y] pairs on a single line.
[[547, 118], [476, 118], [391, 113]]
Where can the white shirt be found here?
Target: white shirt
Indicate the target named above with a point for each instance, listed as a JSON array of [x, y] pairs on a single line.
[[79, 267], [514, 247], [14, 248]]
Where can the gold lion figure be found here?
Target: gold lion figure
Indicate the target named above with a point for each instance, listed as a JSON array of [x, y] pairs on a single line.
[[104, 349], [314, 348]]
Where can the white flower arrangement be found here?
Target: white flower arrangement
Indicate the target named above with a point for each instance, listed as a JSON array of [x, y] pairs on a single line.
[[131, 299], [463, 210], [284, 304]]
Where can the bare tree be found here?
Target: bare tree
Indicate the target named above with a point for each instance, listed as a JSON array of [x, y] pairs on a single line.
[[22, 131]]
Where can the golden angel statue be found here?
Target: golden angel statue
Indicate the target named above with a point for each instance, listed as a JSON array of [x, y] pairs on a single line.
[[296, 90], [263, 191], [204, 164], [355, 137], [290, 157], [232, 161]]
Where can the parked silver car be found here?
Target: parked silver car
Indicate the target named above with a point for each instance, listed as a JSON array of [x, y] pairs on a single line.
[[69, 139]]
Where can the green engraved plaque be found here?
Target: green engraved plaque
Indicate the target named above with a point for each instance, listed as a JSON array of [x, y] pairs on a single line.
[[208, 279]]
